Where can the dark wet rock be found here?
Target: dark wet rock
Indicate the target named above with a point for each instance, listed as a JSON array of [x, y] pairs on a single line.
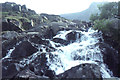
[[108, 38], [23, 50], [111, 58], [40, 67], [9, 68], [52, 30], [72, 36], [9, 35], [27, 74], [31, 12], [27, 25], [8, 26], [16, 8], [24, 8], [7, 6], [82, 71], [61, 41], [38, 40], [7, 45]]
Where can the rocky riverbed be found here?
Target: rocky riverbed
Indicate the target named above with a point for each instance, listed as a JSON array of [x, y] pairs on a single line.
[[56, 48]]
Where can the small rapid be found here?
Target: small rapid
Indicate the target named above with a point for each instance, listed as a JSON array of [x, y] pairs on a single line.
[[83, 50], [71, 48]]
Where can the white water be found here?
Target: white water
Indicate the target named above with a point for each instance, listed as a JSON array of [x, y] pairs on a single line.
[[83, 50]]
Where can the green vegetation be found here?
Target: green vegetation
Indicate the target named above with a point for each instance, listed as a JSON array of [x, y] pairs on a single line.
[[23, 19], [103, 25], [106, 21], [107, 11]]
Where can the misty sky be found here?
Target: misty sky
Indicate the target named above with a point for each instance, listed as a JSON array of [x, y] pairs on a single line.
[[56, 6]]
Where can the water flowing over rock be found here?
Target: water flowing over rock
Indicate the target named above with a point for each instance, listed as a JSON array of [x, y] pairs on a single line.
[[52, 47], [68, 54]]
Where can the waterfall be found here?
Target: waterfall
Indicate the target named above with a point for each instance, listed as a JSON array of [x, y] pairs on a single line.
[[83, 50]]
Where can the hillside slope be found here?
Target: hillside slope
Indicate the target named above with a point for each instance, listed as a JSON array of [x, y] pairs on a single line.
[[84, 15]]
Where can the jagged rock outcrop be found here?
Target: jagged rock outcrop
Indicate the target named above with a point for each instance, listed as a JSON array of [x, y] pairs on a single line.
[[23, 50], [61, 41], [8, 26], [29, 42], [111, 58], [10, 68], [91, 71], [72, 36]]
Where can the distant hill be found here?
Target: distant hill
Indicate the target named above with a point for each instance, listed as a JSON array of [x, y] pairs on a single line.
[[84, 15]]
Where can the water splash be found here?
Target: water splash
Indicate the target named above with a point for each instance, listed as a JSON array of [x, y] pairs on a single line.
[[83, 50]]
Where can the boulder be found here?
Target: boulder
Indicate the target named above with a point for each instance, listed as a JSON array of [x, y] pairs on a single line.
[[23, 50], [53, 28], [82, 71], [73, 36], [39, 66], [28, 74], [31, 12], [111, 58], [27, 25], [10, 35], [7, 6], [61, 41], [38, 40], [8, 26], [16, 8], [51, 18], [24, 8], [9, 68], [7, 45]]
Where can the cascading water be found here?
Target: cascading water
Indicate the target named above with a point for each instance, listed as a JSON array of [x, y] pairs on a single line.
[[83, 50]]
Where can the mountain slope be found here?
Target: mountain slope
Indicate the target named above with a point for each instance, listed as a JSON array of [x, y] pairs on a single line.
[[84, 15]]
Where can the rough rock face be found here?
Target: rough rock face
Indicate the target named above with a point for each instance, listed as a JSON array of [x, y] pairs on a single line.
[[7, 45], [9, 68], [72, 36], [31, 48], [23, 50], [111, 58], [27, 25], [82, 71], [39, 66], [27, 73], [9, 27], [38, 40], [61, 41]]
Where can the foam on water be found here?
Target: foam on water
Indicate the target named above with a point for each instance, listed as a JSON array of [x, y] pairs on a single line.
[[83, 50]]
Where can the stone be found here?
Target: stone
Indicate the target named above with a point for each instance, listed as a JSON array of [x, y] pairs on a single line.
[[40, 67], [25, 74], [61, 41], [111, 58], [9, 68], [38, 40], [85, 70], [8, 26], [72, 36], [27, 25], [7, 45], [24, 8], [10, 35], [23, 50], [17, 8]]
